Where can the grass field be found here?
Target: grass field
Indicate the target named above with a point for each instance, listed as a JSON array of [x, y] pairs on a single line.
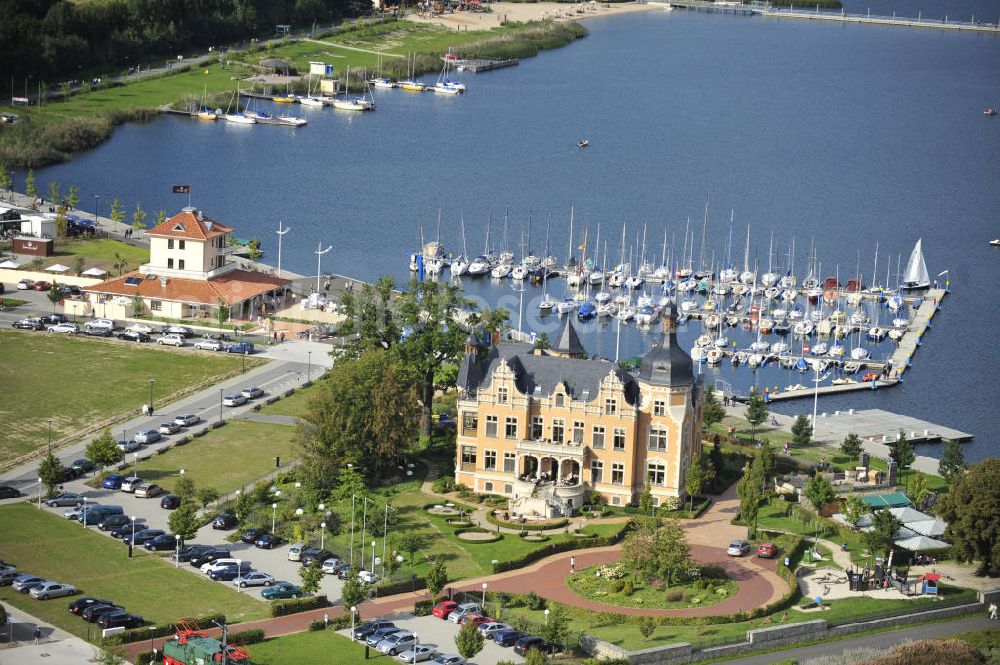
[[46, 545], [100, 253], [290, 406], [44, 378], [313, 647], [225, 459]]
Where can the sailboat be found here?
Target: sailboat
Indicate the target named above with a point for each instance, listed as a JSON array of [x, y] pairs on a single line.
[[460, 264], [355, 104], [311, 99], [444, 85], [236, 116], [381, 81], [916, 276], [205, 113], [411, 84]]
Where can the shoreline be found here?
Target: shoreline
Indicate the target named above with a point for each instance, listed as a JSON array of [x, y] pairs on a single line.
[[531, 11]]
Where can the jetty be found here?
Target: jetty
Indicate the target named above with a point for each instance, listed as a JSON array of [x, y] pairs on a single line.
[[478, 65], [884, 427]]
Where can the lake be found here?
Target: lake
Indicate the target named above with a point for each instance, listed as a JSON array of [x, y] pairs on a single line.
[[844, 135]]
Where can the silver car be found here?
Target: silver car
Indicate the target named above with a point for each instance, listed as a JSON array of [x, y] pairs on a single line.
[[209, 344], [65, 499], [462, 610], [236, 399], [131, 483], [417, 653], [187, 419], [396, 642], [448, 659], [171, 340], [49, 590], [147, 436], [254, 579]]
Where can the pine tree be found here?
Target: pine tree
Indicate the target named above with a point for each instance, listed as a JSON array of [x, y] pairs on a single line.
[[184, 520], [695, 479], [851, 446], [311, 576], [756, 412], [712, 412], [51, 472], [901, 452], [801, 431], [469, 641], [952, 463], [29, 184], [437, 578]]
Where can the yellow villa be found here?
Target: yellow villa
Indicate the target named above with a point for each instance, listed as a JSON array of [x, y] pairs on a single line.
[[548, 428]]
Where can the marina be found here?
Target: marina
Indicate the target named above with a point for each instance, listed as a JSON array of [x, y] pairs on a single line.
[[881, 426]]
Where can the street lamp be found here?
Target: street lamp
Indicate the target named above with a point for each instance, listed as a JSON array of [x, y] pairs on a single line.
[[131, 543], [177, 557], [319, 261], [97, 197], [135, 462], [39, 492], [309, 365], [220, 406], [484, 596], [50, 435], [322, 534], [225, 639], [416, 642], [244, 362], [373, 557], [274, 514], [281, 233], [354, 611], [151, 382], [84, 512], [546, 616]]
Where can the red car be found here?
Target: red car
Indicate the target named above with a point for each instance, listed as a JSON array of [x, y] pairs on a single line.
[[767, 550], [444, 608], [474, 619], [42, 286]]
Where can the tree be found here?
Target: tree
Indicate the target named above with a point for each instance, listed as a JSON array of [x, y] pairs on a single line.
[[51, 472], [6, 182], [410, 543], [349, 483], [534, 657], [53, 194], [207, 495], [184, 520], [756, 412], [952, 464], [901, 452], [638, 548], [918, 489], [29, 184], [108, 654], [556, 626], [62, 222], [646, 627], [79, 265], [695, 478], [749, 489], [801, 431], [117, 211], [73, 197], [311, 576], [437, 577], [542, 342], [712, 411], [354, 591], [360, 414], [672, 552], [253, 249], [368, 314], [222, 311], [161, 217], [120, 263], [972, 509], [244, 507], [469, 641], [103, 451], [54, 295], [855, 510], [851, 446], [646, 500], [139, 217], [885, 526], [767, 458], [655, 550], [184, 488], [819, 491]]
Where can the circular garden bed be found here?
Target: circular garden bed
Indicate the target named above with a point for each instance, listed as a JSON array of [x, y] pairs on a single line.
[[478, 535], [613, 585]]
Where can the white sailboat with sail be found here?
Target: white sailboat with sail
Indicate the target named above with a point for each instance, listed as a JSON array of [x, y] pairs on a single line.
[[916, 276]]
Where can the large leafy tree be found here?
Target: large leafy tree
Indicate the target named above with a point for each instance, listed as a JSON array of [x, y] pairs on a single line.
[[657, 550], [712, 411], [469, 641], [756, 411], [362, 414], [695, 478], [184, 520], [556, 626], [879, 539], [750, 490], [368, 314], [819, 491], [972, 509], [952, 463], [102, 450], [437, 577], [51, 472], [354, 591], [311, 576]]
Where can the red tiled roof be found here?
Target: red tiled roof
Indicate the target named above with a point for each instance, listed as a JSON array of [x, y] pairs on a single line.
[[186, 224], [234, 287]]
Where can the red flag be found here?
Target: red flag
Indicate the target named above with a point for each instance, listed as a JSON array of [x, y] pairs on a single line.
[[182, 189]]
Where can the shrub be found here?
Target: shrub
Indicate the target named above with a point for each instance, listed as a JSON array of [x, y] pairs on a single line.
[[245, 637], [423, 607], [713, 571], [628, 588], [317, 625], [296, 605], [617, 586], [443, 485], [534, 601], [493, 519], [676, 596]]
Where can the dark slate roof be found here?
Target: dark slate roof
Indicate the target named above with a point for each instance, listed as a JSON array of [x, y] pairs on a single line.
[[544, 372], [568, 342], [667, 363]]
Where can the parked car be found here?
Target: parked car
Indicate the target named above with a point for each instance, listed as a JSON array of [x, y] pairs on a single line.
[[142, 536], [169, 428], [343, 572], [254, 579], [131, 483], [190, 551], [209, 345], [49, 590], [183, 331], [230, 572], [99, 323], [396, 642], [113, 522], [25, 581], [73, 513], [7, 576], [463, 609], [41, 286], [368, 577], [225, 521], [80, 604], [315, 554], [112, 481], [767, 551], [475, 619], [64, 328], [444, 608], [171, 340], [331, 566], [147, 436], [170, 502], [92, 613], [120, 620], [267, 542], [489, 628], [295, 551], [64, 499], [31, 323], [98, 331], [219, 564], [364, 630], [187, 419], [199, 559], [148, 490], [252, 534], [240, 347], [128, 445], [738, 548], [140, 327], [53, 319], [507, 638], [417, 653], [281, 590], [8, 492], [253, 392], [126, 529], [524, 644], [380, 634], [133, 336], [235, 399], [84, 465], [448, 659], [25, 284]]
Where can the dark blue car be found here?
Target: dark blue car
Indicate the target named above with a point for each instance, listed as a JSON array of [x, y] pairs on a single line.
[[141, 537], [507, 638], [165, 541], [113, 481], [240, 347]]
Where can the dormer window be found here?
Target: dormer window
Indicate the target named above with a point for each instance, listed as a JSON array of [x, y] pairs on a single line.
[[179, 228], [560, 399], [501, 395]]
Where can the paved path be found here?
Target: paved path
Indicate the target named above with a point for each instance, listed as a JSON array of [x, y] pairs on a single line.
[[354, 48], [268, 418], [54, 646], [875, 640]]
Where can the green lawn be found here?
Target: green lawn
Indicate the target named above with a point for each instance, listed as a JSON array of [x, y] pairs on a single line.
[[295, 405], [100, 253], [46, 545], [225, 459], [313, 647], [77, 382]]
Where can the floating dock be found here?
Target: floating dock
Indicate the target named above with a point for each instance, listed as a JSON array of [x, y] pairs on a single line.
[[477, 66], [883, 427]]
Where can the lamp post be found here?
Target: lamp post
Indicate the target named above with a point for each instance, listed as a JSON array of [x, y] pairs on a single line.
[[225, 639], [131, 543], [416, 642], [319, 261], [322, 534], [352, 532], [520, 308], [97, 197], [49, 420], [546, 616], [135, 462], [220, 406], [484, 596], [244, 362], [177, 555], [84, 512], [281, 233], [354, 611], [39, 493], [309, 365], [274, 515], [373, 557]]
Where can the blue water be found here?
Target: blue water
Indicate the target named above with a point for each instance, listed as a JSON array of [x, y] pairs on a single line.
[[846, 134]]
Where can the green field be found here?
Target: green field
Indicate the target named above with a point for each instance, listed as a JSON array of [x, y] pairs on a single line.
[[78, 382], [295, 405], [224, 459], [314, 647], [41, 543], [100, 253]]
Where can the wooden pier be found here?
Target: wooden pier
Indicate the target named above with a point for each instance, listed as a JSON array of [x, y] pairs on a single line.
[[883, 427], [477, 66]]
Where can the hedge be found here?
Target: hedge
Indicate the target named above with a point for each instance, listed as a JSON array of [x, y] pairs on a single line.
[[401, 586], [245, 637], [423, 608], [164, 630], [479, 529], [525, 527], [296, 605], [144, 658], [563, 546]]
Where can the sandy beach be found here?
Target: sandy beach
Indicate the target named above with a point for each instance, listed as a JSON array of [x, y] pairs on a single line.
[[533, 11]]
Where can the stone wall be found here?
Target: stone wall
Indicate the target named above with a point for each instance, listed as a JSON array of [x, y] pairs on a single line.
[[11, 277], [793, 632]]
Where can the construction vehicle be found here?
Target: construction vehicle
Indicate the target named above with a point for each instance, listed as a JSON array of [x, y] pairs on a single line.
[[192, 646]]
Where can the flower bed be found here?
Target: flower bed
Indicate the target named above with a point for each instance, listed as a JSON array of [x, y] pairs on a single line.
[[613, 585]]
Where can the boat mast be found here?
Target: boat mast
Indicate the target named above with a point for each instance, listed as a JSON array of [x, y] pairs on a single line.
[[663, 252], [729, 244], [569, 246], [684, 253], [875, 269], [486, 249], [746, 252], [704, 234]]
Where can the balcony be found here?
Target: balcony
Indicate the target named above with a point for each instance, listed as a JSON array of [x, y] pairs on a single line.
[[546, 447]]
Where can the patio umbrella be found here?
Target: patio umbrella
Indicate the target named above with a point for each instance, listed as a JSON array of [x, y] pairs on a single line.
[[921, 544], [94, 272], [58, 267], [10, 264]]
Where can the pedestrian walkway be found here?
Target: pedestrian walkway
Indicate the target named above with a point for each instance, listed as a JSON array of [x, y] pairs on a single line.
[[28, 639]]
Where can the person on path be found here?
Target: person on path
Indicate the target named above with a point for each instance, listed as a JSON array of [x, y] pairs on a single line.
[[572, 569], [993, 611], [282, 337]]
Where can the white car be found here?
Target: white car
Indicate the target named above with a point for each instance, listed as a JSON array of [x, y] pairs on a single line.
[[140, 328], [219, 564], [738, 548], [131, 483], [147, 436], [252, 392], [24, 285], [462, 610], [209, 345], [171, 340], [234, 400], [330, 566], [65, 328], [368, 577], [52, 590], [75, 513], [396, 642], [169, 428], [295, 552], [129, 446], [183, 331], [100, 323], [488, 629], [417, 654], [256, 578], [186, 419], [448, 659]]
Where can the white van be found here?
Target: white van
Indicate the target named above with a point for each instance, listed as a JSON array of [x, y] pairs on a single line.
[[295, 552]]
